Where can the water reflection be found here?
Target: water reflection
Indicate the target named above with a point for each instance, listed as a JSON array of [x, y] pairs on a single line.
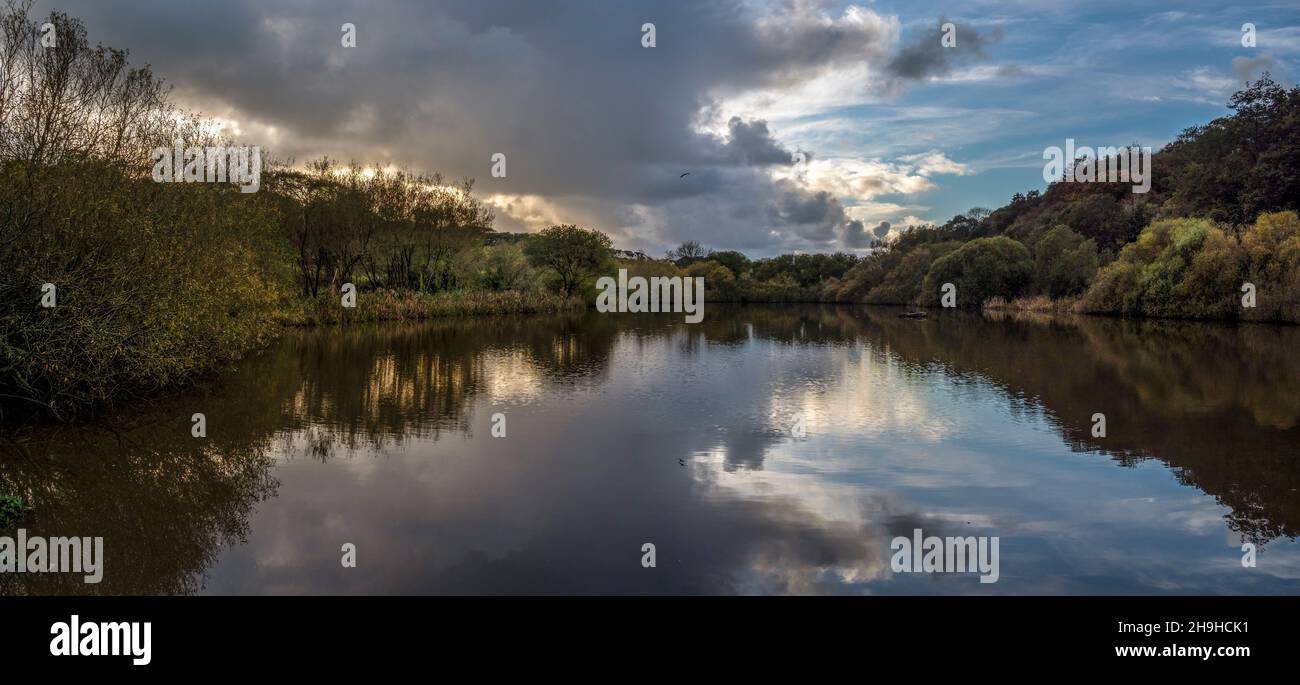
[[625, 429]]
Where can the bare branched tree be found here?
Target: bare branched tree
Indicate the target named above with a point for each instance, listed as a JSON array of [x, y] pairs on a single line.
[[61, 98]]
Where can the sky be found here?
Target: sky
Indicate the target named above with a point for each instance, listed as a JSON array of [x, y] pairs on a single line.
[[805, 125]]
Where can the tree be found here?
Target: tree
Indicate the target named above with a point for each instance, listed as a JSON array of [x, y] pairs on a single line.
[[1064, 262], [1236, 167], [804, 269], [867, 274], [1272, 254], [1176, 268], [570, 253], [398, 229], [968, 225], [688, 252], [736, 262], [980, 269], [76, 101], [902, 284], [154, 283], [719, 283], [329, 221]]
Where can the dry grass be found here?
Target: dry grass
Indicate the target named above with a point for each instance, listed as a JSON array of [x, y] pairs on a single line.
[[1040, 304], [392, 305]]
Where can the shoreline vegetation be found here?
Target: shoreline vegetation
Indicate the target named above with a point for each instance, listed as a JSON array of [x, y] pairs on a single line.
[[397, 305], [1037, 304], [115, 287]]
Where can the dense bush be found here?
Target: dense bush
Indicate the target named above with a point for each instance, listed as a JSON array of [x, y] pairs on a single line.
[[154, 283], [736, 262], [1272, 253], [1193, 268], [1234, 170], [1064, 262], [980, 269], [719, 283], [503, 267], [1177, 267], [902, 285], [866, 274], [806, 270]]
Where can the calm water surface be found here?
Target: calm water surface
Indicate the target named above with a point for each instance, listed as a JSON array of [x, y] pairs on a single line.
[[623, 430]]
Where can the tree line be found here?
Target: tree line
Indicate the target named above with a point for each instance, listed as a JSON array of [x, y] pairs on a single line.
[[1221, 213]]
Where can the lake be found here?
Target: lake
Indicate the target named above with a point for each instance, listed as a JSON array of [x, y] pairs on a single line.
[[769, 449]]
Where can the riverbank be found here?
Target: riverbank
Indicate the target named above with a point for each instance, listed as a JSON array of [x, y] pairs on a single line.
[[405, 305], [1038, 304]]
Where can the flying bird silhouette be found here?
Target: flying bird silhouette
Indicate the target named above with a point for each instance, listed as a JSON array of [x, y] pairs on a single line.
[[685, 175]]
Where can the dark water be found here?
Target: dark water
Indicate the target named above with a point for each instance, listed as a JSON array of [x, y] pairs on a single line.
[[622, 431]]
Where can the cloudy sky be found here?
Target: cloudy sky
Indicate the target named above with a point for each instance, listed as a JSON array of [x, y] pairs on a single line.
[[598, 129]]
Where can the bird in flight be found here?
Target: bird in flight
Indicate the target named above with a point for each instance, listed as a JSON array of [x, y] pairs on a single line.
[[685, 175]]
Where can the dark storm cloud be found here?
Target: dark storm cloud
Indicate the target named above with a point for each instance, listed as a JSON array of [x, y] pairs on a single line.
[[751, 143], [585, 115], [925, 56], [813, 215], [855, 235]]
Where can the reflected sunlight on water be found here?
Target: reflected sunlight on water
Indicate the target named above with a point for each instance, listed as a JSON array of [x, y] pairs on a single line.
[[631, 429]]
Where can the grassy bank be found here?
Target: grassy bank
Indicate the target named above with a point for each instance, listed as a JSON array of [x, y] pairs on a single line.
[[406, 305], [1038, 304]]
